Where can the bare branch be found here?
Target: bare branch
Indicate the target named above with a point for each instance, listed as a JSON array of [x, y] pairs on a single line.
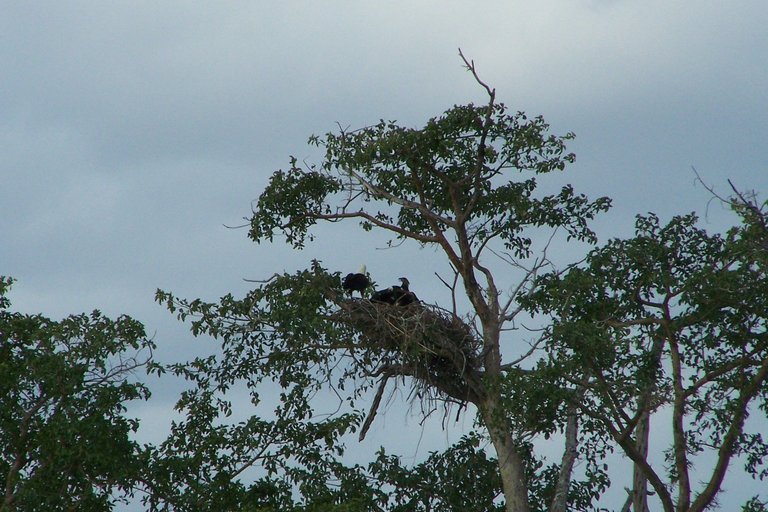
[[374, 406], [514, 363], [480, 158], [470, 65], [714, 374], [373, 220], [451, 287], [405, 203], [264, 281]]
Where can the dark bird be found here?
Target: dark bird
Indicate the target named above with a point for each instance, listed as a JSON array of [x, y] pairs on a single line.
[[396, 295], [356, 282]]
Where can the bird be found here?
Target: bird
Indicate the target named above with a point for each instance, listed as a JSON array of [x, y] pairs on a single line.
[[396, 295], [404, 296], [356, 282]]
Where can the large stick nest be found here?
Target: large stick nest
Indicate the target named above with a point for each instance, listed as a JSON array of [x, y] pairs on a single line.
[[433, 346]]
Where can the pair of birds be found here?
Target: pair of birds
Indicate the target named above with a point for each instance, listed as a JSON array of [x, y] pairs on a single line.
[[394, 295]]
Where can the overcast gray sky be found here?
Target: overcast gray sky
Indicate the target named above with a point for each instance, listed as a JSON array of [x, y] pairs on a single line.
[[132, 132]]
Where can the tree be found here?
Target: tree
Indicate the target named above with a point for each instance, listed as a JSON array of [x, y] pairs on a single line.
[[465, 184], [673, 320], [63, 388]]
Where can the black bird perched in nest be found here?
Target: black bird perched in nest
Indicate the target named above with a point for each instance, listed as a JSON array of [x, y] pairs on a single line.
[[356, 282], [396, 295]]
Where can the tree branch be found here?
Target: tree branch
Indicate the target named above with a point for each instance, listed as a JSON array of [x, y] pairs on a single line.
[[374, 406], [405, 203], [630, 449], [678, 415], [725, 453], [20, 459], [373, 220], [560, 499], [470, 65]]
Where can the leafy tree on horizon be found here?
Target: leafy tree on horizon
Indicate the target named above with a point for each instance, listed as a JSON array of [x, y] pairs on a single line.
[[64, 385], [673, 319]]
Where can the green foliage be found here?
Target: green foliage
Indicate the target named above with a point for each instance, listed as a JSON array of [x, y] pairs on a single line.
[[294, 195], [675, 317], [430, 178], [282, 331], [63, 389], [461, 478], [755, 505], [278, 337]]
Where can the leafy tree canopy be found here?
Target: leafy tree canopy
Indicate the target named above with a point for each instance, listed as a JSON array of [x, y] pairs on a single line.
[[64, 386], [673, 319]]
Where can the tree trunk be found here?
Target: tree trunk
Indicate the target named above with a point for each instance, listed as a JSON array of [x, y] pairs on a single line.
[[640, 481], [560, 500], [510, 463]]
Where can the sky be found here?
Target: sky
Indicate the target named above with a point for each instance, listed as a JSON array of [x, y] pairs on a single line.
[[134, 135]]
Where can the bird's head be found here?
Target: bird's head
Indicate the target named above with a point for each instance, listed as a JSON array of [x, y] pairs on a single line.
[[362, 270], [405, 282]]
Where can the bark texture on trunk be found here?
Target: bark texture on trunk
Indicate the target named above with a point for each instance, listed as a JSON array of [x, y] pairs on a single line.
[[560, 501], [639, 480], [510, 462]]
